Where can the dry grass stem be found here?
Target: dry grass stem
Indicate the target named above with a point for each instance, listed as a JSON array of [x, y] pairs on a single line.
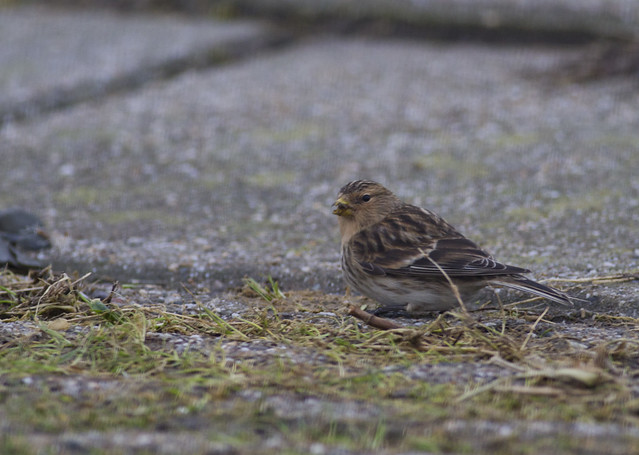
[[532, 329], [302, 341]]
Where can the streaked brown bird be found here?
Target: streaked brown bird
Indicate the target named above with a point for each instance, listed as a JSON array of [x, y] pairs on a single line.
[[406, 257]]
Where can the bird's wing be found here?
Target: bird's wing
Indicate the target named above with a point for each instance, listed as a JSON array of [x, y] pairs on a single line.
[[419, 243]]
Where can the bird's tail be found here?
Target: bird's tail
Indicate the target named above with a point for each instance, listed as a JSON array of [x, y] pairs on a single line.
[[524, 284]]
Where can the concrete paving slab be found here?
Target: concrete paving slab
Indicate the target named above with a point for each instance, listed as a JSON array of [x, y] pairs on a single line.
[[51, 58], [229, 172]]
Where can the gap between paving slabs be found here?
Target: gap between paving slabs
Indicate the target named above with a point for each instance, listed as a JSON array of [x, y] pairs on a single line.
[[565, 21], [304, 342], [57, 98]]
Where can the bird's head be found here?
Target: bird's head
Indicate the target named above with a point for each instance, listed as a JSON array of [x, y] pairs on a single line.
[[362, 203]]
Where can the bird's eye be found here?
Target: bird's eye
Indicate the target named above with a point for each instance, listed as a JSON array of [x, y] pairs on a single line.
[[366, 197]]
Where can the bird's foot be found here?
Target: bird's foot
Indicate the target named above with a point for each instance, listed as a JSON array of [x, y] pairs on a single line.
[[398, 311]]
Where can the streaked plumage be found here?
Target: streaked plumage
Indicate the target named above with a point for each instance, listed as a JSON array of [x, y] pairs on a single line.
[[399, 254]]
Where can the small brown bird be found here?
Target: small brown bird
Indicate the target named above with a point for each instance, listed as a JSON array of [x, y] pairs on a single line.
[[406, 257]]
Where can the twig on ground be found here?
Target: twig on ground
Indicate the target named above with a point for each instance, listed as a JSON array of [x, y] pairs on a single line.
[[371, 319], [114, 288]]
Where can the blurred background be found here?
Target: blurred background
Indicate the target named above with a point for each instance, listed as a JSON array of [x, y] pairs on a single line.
[[204, 141]]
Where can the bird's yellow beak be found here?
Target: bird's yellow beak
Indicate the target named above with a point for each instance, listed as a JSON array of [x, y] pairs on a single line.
[[341, 208]]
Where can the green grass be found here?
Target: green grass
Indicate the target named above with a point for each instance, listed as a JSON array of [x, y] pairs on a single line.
[[87, 364]]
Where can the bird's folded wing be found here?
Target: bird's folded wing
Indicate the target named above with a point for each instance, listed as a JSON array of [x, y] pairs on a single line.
[[420, 254]]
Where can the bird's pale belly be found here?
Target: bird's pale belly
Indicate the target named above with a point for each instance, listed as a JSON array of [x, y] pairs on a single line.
[[415, 296]]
